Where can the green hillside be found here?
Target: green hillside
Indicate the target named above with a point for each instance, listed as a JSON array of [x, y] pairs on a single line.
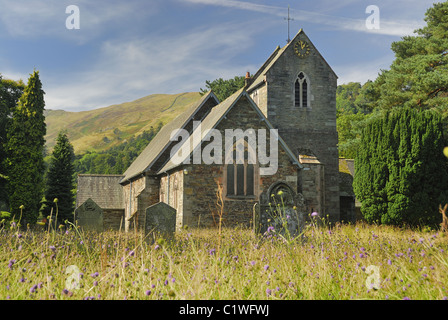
[[100, 129]]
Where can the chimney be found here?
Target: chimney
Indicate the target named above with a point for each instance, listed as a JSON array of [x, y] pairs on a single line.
[[247, 79]]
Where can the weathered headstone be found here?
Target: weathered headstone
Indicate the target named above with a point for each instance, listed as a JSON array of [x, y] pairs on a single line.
[[160, 220], [280, 211], [89, 216]]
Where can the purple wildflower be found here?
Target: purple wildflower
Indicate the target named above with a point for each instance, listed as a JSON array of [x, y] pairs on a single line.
[[94, 275], [53, 248], [266, 267], [148, 292], [268, 292], [33, 288], [211, 251], [11, 263], [314, 214]]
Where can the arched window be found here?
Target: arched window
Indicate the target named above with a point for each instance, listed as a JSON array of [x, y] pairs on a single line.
[[240, 174], [301, 90]]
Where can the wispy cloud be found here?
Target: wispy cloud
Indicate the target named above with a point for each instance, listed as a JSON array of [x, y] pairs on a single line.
[[128, 69], [34, 19], [393, 28]]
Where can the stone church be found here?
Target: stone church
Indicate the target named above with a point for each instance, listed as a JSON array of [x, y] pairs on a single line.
[[291, 99]]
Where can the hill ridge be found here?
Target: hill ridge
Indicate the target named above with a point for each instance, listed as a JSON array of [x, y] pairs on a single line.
[[102, 128]]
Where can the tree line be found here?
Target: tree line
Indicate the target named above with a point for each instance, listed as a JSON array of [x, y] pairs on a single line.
[[34, 185], [395, 128], [117, 159], [22, 150]]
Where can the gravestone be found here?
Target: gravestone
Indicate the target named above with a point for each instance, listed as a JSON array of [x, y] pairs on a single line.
[[160, 220], [281, 211], [89, 216]]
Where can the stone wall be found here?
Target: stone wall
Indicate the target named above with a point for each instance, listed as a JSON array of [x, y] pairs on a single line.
[[312, 127], [259, 95], [172, 193], [313, 184], [137, 196], [113, 219], [202, 182]]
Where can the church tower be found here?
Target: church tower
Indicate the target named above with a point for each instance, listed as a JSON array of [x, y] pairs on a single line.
[[296, 90]]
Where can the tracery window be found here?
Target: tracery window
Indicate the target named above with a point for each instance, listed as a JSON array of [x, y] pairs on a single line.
[[301, 91], [240, 175]]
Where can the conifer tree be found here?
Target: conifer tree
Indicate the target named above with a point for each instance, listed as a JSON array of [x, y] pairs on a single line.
[[10, 92], [401, 173], [60, 179], [25, 153], [418, 77]]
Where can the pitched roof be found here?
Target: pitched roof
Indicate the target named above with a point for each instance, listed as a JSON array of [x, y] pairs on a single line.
[[259, 76], [161, 141], [213, 119], [104, 189]]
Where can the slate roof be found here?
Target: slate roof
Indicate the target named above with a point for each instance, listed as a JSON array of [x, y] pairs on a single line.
[[214, 118], [104, 189], [161, 141]]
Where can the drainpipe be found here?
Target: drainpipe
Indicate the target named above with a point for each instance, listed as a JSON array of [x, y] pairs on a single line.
[[130, 198], [167, 188]]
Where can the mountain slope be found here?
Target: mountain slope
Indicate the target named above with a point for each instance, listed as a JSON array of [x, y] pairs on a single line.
[[99, 129]]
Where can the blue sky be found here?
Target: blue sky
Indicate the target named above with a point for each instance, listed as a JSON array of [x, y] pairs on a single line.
[[127, 49]]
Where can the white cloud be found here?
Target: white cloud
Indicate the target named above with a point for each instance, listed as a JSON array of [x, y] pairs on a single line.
[[128, 69], [362, 71]]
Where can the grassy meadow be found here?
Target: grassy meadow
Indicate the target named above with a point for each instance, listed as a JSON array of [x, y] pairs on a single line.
[[343, 262]]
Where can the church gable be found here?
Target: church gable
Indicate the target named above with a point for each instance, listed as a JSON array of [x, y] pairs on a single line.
[[239, 102], [241, 182], [156, 154]]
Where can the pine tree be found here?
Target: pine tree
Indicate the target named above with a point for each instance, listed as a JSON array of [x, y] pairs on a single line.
[[401, 173], [10, 92], [418, 77], [25, 152], [60, 180]]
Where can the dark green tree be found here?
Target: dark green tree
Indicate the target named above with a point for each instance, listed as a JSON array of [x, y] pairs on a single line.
[[25, 152], [401, 173], [10, 92], [418, 77], [223, 88], [60, 180]]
